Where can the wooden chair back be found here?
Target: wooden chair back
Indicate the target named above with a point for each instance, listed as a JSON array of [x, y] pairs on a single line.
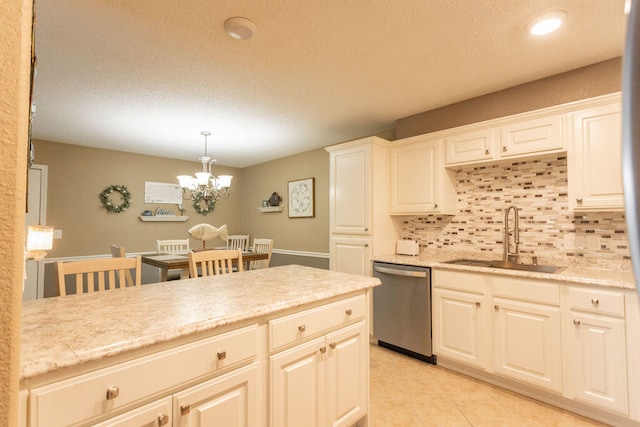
[[261, 246], [238, 241], [119, 252], [175, 246], [110, 272], [215, 261]]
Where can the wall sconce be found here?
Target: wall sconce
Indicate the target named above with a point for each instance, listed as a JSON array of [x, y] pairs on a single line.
[[39, 241]]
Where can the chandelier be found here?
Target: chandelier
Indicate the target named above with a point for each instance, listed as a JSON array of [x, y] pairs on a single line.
[[205, 185]]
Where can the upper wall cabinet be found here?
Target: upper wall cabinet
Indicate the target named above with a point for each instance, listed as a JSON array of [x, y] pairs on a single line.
[[506, 139], [594, 161], [419, 181]]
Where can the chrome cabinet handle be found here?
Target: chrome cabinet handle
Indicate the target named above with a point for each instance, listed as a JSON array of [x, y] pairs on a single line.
[[113, 392], [576, 321], [163, 419], [349, 312], [477, 303], [185, 409], [595, 301], [333, 345], [302, 327], [323, 349], [222, 355]]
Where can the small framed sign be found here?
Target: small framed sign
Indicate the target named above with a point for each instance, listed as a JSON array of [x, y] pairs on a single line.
[[302, 198]]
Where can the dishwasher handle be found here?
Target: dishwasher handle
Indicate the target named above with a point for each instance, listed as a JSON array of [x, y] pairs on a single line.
[[395, 272]]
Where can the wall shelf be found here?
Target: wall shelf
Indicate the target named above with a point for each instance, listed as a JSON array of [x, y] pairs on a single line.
[[165, 218], [271, 209]]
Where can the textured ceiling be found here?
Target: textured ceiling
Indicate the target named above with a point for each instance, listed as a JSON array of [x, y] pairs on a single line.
[[146, 76]]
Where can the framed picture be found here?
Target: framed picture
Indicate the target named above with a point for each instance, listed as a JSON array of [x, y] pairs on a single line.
[[302, 199]]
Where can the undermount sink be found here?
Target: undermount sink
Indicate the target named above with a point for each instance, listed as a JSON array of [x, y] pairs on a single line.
[[504, 264]]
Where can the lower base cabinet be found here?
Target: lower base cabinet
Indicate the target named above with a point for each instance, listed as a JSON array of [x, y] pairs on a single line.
[[527, 343], [322, 382]]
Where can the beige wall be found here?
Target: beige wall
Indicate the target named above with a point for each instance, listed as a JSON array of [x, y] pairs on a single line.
[[15, 53], [299, 234], [587, 82], [77, 176]]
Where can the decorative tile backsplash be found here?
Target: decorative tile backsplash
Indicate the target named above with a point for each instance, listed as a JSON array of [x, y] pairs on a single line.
[[548, 230]]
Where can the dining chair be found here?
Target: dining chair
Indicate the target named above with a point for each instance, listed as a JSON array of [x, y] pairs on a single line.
[[118, 251], [85, 272], [215, 261], [173, 247], [238, 241], [261, 246]]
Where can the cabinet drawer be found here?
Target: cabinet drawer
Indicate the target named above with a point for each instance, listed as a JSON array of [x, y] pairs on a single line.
[[154, 414], [85, 396], [597, 301], [299, 326], [526, 290], [460, 281]]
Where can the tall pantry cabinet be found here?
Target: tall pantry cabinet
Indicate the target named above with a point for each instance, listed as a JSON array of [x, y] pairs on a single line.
[[360, 225]]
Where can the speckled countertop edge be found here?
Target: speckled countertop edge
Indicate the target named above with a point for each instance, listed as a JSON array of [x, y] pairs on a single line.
[[68, 331], [623, 279]]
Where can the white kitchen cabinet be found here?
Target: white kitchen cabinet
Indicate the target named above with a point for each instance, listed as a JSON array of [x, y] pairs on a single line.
[[458, 326], [518, 136], [351, 255], [527, 342], [229, 400], [321, 382], [420, 183], [598, 348], [595, 159], [156, 414], [359, 202]]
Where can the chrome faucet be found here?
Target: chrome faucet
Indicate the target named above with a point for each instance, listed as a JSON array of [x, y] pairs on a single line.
[[507, 255]]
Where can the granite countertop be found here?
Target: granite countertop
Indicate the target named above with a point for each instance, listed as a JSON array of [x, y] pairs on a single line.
[[61, 332], [618, 278]]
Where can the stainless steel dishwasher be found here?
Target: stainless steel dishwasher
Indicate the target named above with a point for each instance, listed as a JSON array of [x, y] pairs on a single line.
[[402, 309]]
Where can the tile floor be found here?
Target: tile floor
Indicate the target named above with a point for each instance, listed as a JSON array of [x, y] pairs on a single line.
[[406, 392]]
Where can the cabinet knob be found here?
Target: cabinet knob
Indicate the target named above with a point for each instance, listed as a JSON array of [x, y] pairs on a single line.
[[477, 303], [435, 205], [496, 307], [595, 301], [576, 321], [366, 229], [333, 345], [113, 392], [163, 419], [222, 355], [185, 409], [504, 148], [323, 349], [302, 327], [349, 312], [486, 151], [579, 200]]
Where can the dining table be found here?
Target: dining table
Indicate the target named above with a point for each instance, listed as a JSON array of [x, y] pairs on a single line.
[[166, 262]]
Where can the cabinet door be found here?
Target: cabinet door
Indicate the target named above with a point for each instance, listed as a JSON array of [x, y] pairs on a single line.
[[458, 326], [156, 414], [298, 386], [599, 362], [350, 190], [351, 255], [538, 136], [347, 367], [413, 178], [527, 343], [229, 400], [470, 147], [595, 160]]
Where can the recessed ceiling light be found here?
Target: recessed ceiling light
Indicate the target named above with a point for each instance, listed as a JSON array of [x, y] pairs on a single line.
[[547, 23], [240, 28]]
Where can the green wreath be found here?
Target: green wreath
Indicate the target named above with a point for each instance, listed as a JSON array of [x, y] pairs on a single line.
[[109, 205], [203, 210]]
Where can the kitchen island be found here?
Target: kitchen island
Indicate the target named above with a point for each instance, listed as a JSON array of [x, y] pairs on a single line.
[[257, 340]]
